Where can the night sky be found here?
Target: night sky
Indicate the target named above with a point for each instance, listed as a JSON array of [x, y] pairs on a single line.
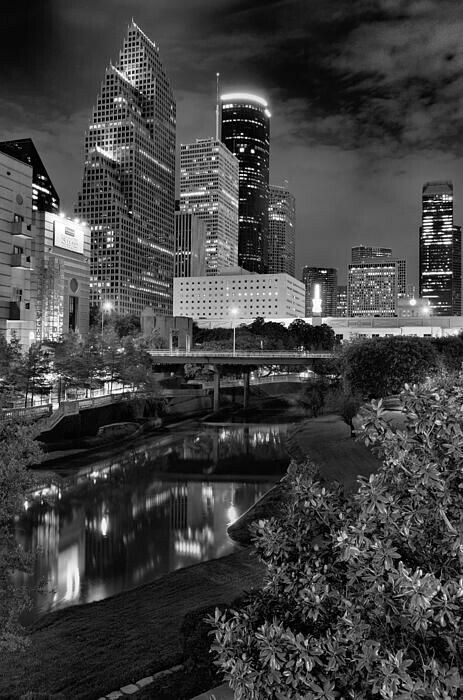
[[366, 98]]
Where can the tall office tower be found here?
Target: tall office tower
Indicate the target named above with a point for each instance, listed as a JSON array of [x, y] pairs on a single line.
[[44, 195], [281, 231], [190, 245], [374, 287], [245, 130], [128, 185], [366, 252], [341, 300], [327, 278], [440, 251], [209, 189]]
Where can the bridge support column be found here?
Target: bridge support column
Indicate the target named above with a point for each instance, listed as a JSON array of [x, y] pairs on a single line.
[[246, 388], [216, 387]]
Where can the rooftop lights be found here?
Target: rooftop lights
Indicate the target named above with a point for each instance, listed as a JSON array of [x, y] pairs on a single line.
[[230, 97]]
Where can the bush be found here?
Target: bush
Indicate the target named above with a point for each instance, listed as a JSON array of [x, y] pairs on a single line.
[[362, 598], [450, 352], [378, 367]]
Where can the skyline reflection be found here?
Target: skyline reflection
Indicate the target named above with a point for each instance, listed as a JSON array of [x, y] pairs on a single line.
[[115, 524]]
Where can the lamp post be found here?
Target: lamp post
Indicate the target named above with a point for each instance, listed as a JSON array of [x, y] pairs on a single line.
[[105, 308], [234, 313]]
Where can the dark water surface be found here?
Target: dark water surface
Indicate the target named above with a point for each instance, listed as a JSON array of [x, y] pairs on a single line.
[[153, 508]]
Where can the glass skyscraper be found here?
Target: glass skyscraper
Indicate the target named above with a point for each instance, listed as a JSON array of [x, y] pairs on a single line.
[[366, 252], [440, 251], [327, 279], [281, 231], [245, 130], [128, 187], [209, 189]]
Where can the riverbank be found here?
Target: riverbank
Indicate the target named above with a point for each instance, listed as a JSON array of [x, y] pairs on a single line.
[[327, 441], [117, 641]]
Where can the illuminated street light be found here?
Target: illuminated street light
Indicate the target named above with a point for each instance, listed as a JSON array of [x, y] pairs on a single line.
[[106, 307]]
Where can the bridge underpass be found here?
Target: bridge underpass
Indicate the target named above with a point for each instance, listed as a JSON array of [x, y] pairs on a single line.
[[243, 359]]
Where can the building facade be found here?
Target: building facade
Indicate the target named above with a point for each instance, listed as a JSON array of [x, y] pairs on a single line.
[[128, 187], [44, 195], [209, 189], [281, 231], [44, 264], [374, 287], [190, 245], [239, 295], [327, 279], [341, 300], [366, 252], [440, 250], [245, 130]]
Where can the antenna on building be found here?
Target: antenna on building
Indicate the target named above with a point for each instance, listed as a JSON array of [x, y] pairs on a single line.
[[217, 111]]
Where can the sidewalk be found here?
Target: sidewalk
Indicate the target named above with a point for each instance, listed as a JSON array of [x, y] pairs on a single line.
[[221, 692]]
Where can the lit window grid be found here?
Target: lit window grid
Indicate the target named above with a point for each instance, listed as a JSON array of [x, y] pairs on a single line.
[[128, 184], [252, 295]]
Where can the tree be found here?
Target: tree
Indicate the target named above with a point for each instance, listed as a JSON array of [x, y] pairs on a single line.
[[377, 367], [127, 325], [35, 365], [363, 597], [18, 452]]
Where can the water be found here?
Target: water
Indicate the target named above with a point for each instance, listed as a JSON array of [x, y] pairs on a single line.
[[154, 508]]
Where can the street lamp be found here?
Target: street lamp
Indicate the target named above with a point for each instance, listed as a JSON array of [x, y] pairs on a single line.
[[106, 307], [234, 311]]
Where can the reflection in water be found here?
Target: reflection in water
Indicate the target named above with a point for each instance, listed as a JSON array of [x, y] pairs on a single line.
[[119, 523]]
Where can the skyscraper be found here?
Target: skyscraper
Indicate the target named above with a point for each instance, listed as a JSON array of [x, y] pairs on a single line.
[[281, 231], [209, 190], [128, 185], [374, 286], [245, 130], [366, 252], [44, 195], [190, 245], [440, 251], [327, 278]]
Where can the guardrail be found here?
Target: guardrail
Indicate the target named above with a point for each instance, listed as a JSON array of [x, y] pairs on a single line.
[[30, 412], [264, 354]]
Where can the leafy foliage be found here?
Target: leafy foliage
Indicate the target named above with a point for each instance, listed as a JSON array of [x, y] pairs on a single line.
[[377, 367], [17, 452], [362, 598]]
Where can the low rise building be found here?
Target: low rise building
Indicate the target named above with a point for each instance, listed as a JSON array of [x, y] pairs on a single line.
[[239, 295]]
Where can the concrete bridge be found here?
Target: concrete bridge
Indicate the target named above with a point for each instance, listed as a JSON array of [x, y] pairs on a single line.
[[242, 358]]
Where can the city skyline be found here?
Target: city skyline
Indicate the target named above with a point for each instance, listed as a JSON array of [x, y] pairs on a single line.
[[355, 145]]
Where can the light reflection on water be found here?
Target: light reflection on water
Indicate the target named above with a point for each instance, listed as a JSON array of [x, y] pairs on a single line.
[[154, 508]]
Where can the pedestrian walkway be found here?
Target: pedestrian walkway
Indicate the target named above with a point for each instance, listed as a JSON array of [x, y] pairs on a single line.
[[222, 692]]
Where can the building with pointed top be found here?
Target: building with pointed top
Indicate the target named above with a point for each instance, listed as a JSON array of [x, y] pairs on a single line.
[[128, 187]]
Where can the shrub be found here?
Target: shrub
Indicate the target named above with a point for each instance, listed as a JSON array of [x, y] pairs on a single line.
[[377, 367], [362, 598]]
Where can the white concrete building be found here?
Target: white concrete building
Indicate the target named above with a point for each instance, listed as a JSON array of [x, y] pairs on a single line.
[[239, 295]]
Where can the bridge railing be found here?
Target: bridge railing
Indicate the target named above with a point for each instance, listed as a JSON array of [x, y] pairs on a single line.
[[263, 354]]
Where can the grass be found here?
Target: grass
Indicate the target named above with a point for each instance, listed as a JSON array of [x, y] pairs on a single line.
[[88, 651]]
